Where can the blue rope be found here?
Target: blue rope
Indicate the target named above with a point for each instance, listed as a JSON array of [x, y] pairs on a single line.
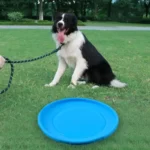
[[24, 61]]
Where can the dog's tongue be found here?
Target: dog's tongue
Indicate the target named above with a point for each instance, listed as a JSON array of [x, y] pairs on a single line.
[[61, 36]]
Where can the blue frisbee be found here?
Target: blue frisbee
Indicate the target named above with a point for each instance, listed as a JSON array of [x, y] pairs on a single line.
[[77, 120]]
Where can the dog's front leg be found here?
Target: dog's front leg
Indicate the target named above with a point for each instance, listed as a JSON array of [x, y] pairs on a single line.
[[81, 66], [60, 71]]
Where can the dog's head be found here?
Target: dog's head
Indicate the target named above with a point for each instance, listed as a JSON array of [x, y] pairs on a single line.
[[65, 23]]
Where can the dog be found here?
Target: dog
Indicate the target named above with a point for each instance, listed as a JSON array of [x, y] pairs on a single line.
[[80, 54]]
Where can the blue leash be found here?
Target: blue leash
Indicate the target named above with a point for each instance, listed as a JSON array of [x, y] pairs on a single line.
[[24, 61]]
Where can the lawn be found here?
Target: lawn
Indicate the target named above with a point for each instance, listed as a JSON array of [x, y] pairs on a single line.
[[32, 22], [129, 55], [80, 23]]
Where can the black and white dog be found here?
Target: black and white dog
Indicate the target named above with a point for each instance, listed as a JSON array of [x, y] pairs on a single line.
[[78, 53]]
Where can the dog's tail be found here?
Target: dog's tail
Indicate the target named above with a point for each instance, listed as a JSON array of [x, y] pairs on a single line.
[[117, 84]]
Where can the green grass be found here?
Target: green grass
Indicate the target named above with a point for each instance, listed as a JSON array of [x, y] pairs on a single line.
[[127, 52], [32, 22], [26, 22], [80, 23]]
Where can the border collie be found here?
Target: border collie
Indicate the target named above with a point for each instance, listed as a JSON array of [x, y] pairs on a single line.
[[79, 54]]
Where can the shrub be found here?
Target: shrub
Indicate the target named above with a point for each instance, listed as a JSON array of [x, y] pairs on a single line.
[[83, 18], [101, 17], [127, 11], [145, 21], [15, 16]]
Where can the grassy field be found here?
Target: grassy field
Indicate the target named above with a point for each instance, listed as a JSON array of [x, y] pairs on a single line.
[[80, 23], [128, 52], [32, 22]]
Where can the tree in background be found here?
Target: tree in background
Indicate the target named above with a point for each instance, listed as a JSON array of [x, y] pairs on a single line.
[[96, 9], [128, 10], [41, 14], [147, 6], [100, 10], [7, 6], [109, 8], [40, 7]]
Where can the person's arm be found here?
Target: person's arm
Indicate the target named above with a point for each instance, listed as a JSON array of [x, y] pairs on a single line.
[[2, 62]]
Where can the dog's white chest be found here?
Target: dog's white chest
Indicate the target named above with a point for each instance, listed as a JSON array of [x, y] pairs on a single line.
[[69, 57], [71, 62], [71, 52]]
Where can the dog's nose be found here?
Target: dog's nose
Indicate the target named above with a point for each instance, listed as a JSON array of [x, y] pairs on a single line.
[[60, 24]]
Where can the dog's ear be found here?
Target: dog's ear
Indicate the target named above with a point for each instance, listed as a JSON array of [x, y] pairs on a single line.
[[74, 21]]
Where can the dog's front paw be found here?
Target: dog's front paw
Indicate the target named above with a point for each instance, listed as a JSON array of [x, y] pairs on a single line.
[[50, 84], [74, 82], [71, 86]]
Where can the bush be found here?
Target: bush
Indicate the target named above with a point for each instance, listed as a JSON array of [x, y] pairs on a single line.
[[83, 18], [27, 21], [80, 23], [15, 16], [145, 21], [127, 11], [101, 17]]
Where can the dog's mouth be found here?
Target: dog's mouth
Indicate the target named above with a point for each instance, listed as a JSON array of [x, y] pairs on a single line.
[[61, 34], [62, 30]]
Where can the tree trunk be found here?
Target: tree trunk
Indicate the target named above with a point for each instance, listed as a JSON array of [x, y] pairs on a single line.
[[81, 10], [41, 10], [147, 5], [30, 5], [74, 5], [37, 10], [147, 11], [53, 11], [58, 3], [95, 10], [109, 8], [84, 7]]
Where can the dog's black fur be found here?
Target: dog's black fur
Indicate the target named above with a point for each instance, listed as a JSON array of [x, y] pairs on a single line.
[[99, 70]]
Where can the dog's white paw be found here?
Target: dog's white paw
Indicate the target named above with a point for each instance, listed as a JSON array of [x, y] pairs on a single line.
[[47, 85], [95, 87], [71, 86], [50, 85], [81, 82]]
